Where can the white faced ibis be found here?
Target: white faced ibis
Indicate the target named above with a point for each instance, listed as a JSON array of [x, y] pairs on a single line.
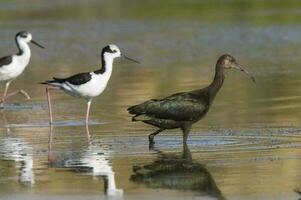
[[86, 85], [181, 110], [13, 65]]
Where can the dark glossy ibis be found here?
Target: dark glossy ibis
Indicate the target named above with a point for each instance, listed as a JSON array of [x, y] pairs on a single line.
[[181, 110]]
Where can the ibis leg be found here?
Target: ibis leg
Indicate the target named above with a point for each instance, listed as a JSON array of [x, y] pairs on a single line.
[[186, 154], [151, 136], [186, 129]]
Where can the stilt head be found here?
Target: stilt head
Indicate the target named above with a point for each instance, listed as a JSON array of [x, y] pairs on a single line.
[[112, 51], [227, 61], [24, 36]]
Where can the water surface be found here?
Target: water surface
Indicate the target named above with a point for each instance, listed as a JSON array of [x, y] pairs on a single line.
[[247, 147]]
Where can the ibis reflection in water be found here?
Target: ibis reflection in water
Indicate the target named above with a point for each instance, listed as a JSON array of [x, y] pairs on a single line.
[[170, 171], [93, 161], [181, 110]]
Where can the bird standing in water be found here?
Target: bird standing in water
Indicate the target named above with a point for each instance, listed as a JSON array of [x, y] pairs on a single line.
[[13, 65], [181, 110], [89, 84]]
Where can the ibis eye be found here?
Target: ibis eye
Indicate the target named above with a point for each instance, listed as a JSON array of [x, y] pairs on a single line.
[[115, 51]]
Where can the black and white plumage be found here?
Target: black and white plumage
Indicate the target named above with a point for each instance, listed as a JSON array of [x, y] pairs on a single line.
[[6, 60], [87, 85], [13, 65]]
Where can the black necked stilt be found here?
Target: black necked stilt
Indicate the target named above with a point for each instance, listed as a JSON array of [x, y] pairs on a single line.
[[12, 66], [89, 84], [181, 110]]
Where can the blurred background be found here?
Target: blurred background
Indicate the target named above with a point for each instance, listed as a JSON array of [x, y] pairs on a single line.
[[178, 43]]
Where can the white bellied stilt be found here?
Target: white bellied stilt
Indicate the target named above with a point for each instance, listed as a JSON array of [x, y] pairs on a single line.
[[89, 84], [13, 65]]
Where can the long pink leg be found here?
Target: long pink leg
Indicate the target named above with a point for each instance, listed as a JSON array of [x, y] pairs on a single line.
[[5, 122], [50, 144], [5, 92], [6, 96], [88, 111], [88, 134], [49, 102], [87, 121], [25, 94]]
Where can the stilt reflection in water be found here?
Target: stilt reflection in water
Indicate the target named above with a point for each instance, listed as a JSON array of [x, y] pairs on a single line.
[[17, 150], [93, 161]]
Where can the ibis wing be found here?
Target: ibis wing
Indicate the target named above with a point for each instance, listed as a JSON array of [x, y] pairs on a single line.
[[5, 60], [179, 107]]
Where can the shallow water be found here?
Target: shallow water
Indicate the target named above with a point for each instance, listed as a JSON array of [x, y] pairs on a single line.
[[247, 147]]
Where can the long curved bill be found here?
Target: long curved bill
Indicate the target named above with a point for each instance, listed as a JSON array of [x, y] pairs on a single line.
[[241, 68], [131, 59], [34, 42]]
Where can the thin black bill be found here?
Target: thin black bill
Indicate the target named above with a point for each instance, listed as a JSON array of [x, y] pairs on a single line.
[[34, 42], [131, 59]]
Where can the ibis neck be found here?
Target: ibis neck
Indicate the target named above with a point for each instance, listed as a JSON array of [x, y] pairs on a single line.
[[23, 48], [106, 65], [217, 81]]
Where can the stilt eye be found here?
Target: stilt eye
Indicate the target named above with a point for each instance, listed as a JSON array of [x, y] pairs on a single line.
[[23, 35]]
